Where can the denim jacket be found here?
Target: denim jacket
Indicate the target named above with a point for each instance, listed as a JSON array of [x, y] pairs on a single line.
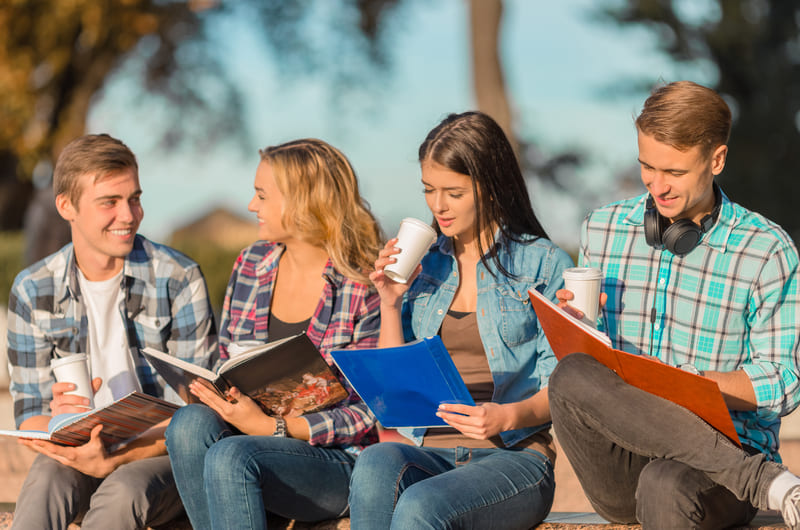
[[519, 355]]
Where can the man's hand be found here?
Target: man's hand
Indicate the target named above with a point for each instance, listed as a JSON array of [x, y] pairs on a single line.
[[90, 458], [67, 403], [564, 296]]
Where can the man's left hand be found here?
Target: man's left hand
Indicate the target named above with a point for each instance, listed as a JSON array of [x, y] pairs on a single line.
[[90, 458]]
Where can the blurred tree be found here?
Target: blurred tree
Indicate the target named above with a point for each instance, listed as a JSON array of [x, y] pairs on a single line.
[[57, 55], [752, 48]]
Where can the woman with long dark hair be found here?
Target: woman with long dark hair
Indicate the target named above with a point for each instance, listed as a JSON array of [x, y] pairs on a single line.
[[493, 466]]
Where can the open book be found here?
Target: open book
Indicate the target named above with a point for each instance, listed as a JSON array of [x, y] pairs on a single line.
[[122, 420], [698, 394], [404, 385], [287, 377]]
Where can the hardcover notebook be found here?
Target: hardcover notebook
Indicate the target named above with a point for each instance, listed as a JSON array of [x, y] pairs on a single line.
[[287, 377], [404, 385], [696, 393], [122, 420]]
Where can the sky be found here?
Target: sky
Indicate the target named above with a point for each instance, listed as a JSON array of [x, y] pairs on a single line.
[[559, 62]]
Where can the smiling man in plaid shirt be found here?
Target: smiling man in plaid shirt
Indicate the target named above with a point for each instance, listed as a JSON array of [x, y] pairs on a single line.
[[701, 283], [107, 294]]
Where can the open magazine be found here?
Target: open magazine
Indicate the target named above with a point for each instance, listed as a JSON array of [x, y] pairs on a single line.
[[287, 377], [404, 385], [122, 420], [699, 394]]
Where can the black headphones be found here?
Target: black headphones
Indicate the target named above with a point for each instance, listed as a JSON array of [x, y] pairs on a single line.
[[682, 236]]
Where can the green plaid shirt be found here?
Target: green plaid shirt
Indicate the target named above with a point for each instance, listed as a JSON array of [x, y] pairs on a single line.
[[730, 304]]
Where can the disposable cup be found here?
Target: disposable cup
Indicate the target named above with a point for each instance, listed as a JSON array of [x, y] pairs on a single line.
[[74, 369], [584, 282], [413, 239]]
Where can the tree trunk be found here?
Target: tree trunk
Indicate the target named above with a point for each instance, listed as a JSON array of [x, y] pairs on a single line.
[[487, 68]]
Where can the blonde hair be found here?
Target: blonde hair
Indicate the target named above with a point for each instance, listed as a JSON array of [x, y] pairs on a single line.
[[322, 204]]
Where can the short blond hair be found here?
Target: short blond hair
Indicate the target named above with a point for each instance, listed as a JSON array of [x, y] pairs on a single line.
[[684, 114], [323, 206], [97, 154]]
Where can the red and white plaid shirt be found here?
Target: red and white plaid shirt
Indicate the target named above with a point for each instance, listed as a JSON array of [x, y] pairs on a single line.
[[347, 316]]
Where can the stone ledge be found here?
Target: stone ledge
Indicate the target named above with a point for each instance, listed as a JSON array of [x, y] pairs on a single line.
[[555, 521]]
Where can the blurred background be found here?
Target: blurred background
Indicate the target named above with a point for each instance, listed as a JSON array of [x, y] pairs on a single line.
[[196, 87]]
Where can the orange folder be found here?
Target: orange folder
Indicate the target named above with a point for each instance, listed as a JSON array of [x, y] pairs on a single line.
[[696, 393]]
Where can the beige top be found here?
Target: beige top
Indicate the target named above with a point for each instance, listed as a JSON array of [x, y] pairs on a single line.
[[460, 334]]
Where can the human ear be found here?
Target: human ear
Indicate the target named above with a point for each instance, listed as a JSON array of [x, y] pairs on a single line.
[[718, 159], [65, 207]]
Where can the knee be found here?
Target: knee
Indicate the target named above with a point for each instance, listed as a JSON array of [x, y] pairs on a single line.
[[665, 496], [570, 376], [194, 426], [376, 470]]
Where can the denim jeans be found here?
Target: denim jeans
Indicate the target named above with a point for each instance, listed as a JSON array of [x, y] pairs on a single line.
[[407, 487], [228, 480], [135, 495], [641, 457]]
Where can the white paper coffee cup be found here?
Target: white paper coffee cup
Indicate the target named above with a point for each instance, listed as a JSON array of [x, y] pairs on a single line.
[[413, 239], [584, 282], [74, 369]]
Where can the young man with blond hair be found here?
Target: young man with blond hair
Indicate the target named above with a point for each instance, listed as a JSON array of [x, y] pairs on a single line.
[[107, 294], [701, 283]]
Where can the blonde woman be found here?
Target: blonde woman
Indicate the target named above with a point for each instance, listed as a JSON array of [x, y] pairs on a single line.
[[232, 462]]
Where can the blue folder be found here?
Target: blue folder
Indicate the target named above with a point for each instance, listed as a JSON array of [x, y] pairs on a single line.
[[404, 385]]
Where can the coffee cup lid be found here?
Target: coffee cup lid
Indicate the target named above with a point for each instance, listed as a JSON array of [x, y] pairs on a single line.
[[582, 273]]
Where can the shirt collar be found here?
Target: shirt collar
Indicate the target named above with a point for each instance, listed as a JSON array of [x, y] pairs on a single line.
[[716, 238], [269, 263], [138, 265]]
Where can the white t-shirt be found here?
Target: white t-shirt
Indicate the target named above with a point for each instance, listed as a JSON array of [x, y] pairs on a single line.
[[109, 356]]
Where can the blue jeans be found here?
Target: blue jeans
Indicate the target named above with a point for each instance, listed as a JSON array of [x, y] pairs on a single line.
[[402, 486], [642, 458], [228, 480]]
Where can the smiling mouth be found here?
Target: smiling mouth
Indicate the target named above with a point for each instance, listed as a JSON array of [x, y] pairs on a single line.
[[125, 232]]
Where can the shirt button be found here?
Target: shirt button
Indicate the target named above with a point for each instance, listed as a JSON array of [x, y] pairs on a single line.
[[658, 327], [439, 311], [662, 281], [455, 274]]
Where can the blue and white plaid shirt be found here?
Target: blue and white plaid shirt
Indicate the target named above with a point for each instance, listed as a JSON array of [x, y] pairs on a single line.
[[165, 307], [730, 304]]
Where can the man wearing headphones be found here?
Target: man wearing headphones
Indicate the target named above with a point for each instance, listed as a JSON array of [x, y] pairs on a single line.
[[701, 283]]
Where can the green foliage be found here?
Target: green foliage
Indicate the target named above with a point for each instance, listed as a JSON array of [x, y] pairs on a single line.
[[215, 262], [12, 245]]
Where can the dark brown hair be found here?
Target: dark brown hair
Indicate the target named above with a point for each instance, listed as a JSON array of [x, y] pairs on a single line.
[[473, 144]]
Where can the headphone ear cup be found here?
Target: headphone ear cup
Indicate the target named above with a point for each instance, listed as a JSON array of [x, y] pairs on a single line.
[[652, 226], [681, 237]]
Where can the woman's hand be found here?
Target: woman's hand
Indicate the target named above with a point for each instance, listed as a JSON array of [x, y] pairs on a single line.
[[390, 291], [481, 421], [564, 296], [238, 410]]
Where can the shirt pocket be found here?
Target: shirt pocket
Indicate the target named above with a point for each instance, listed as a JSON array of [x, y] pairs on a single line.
[[417, 300], [154, 330], [62, 332], [517, 321]]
